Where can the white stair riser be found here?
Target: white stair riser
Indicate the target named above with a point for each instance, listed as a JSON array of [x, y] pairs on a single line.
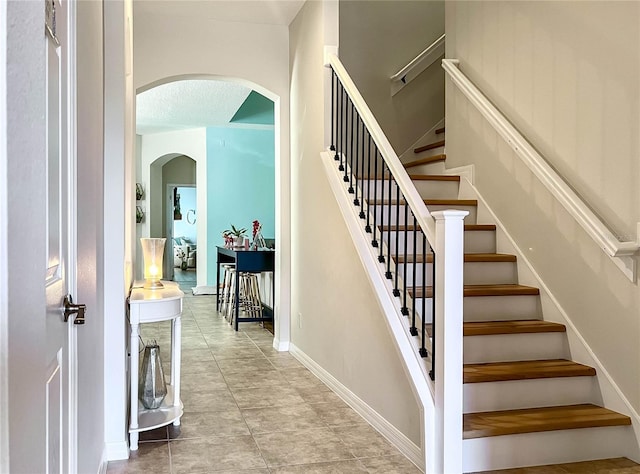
[[516, 394], [409, 236], [428, 189], [501, 308], [475, 273], [479, 241], [382, 213], [429, 168], [434, 151], [550, 447], [514, 347], [437, 189], [474, 241]]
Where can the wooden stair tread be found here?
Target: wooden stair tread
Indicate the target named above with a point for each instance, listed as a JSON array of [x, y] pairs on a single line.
[[430, 146], [468, 258], [482, 290], [426, 160], [434, 177], [534, 420], [528, 326], [524, 370], [439, 131]]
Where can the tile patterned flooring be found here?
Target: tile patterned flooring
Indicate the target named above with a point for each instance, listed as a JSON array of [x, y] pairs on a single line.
[[249, 409]]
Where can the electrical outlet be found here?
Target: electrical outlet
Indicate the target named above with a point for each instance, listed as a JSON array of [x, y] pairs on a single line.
[[300, 320]]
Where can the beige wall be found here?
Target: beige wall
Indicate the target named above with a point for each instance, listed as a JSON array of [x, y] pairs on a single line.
[[567, 75], [377, 39], [343, 329]]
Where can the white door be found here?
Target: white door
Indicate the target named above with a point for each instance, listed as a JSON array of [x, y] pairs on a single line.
[[60, 377]]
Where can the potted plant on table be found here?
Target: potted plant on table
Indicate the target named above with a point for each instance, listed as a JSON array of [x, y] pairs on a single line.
[[236, 234]]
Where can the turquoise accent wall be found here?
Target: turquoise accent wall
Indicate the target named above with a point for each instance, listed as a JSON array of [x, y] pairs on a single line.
[[256, 109], [240, 185]]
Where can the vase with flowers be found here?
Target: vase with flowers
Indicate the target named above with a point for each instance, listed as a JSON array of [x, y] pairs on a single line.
[[234, 237]]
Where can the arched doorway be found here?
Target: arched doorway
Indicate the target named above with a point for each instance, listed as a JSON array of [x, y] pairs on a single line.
[[198, 144]]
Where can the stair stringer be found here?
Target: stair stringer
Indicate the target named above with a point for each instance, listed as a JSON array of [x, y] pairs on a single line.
[[612, 396], [407, 346]]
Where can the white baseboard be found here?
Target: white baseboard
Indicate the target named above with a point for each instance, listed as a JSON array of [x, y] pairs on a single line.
[[102, 469], [386, 429], [116, 451], [467, 171], [281, 346]]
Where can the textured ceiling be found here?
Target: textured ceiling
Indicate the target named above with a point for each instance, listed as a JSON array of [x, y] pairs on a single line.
[[188, 104]]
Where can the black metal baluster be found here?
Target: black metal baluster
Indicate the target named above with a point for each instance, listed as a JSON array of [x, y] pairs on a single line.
[[367, 228], [333, 112], [396, 291], [432, 372], [382, 204], [389, 207], [404, 309], [374, 242], [414, 330], [352, 153], [356, 201], [342, 139], [423, 349]]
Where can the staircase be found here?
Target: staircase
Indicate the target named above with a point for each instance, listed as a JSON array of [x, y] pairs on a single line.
[[525, 401]]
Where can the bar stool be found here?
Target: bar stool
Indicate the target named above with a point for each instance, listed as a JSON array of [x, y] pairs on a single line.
[[251, 301], [224, 291], [249, 296]]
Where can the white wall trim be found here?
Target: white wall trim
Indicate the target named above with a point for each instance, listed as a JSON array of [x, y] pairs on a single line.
[[621, 253], [418, 64], [613, 396], [281, 346], [102, 468], [4, 267], [116, 451], [386, 429]]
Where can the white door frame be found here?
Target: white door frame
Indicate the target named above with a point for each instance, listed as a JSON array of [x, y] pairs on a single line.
[[4, 270]]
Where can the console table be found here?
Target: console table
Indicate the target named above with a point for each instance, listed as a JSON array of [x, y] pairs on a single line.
[[252, 261], [150, 306]]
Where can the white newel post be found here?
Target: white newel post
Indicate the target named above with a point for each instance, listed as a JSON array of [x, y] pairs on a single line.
[[449, 250]]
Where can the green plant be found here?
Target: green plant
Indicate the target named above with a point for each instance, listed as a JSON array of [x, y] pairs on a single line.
[[236, 232]]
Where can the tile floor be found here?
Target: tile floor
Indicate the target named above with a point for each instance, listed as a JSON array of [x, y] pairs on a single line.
[[249, 409]]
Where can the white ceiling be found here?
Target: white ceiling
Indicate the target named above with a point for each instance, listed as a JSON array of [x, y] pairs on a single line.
[[188, 104], [200, 103], [270, 12]]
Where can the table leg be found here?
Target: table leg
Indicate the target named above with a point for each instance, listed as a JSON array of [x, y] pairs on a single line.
[[237, 301], [176, 355], [133, 424], [218, 283]]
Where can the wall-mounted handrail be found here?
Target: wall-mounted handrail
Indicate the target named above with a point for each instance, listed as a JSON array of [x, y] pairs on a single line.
[[415, 202], [573, 203], [418, 64]]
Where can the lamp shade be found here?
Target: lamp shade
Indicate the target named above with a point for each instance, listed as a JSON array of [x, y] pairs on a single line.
[[153, 254]]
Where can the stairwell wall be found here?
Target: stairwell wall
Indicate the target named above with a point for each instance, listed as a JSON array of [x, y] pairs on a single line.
[[341, 326], [567, 75], [379, 38]]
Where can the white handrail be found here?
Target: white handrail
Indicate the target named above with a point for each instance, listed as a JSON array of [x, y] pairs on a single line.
[[418, 64], [411, 195], [591, 223]]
